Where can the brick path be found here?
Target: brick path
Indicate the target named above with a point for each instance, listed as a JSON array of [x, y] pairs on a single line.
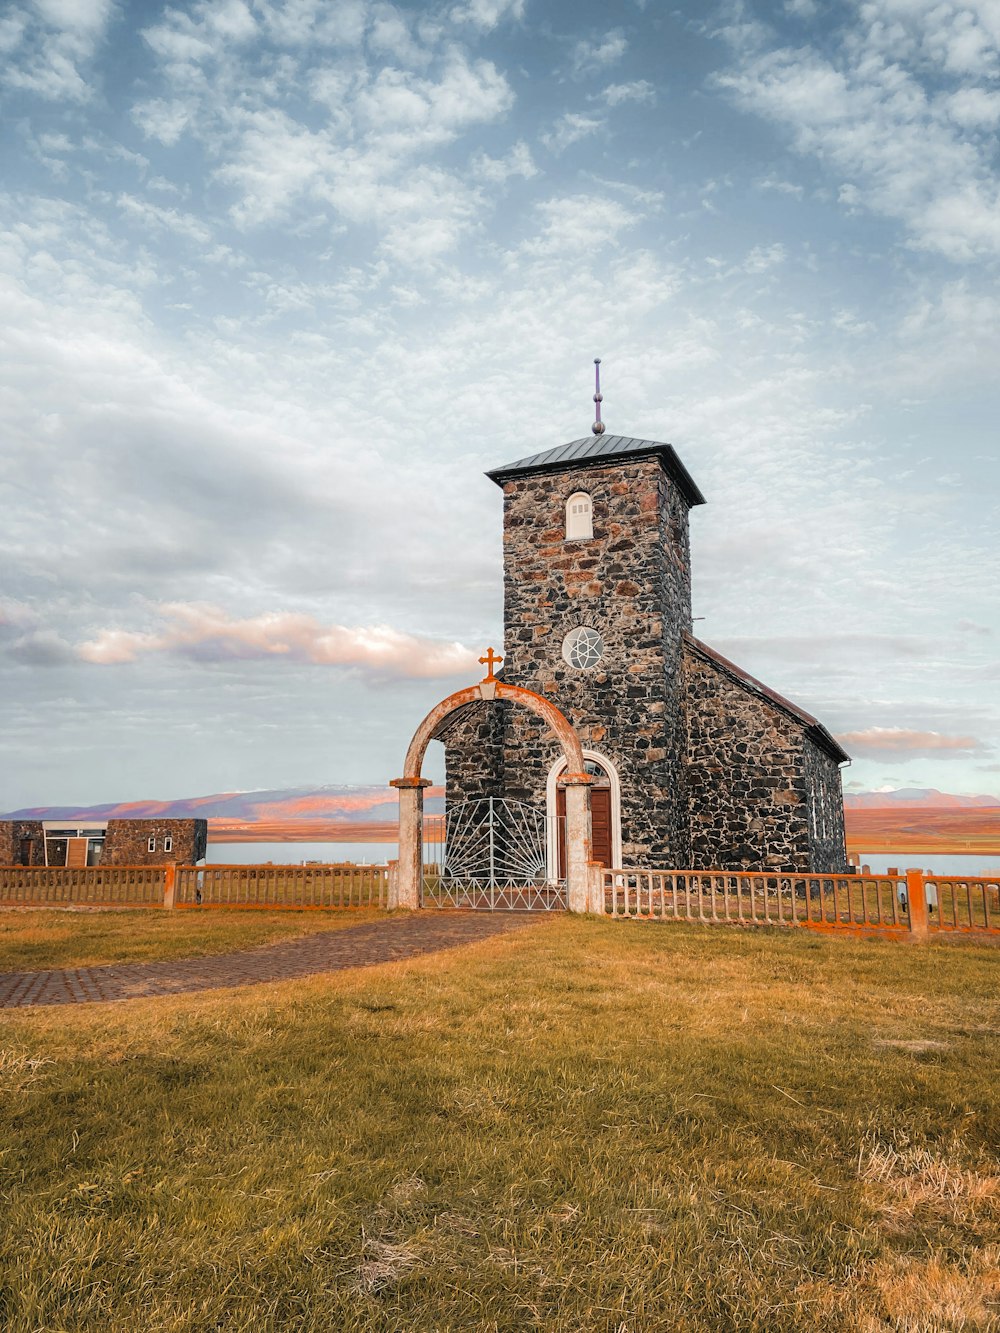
[[387, 941]]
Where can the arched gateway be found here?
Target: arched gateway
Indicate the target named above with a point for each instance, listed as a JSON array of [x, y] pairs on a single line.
[[575, 780]]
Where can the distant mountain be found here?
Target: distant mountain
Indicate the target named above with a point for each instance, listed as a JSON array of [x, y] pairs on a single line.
[[375, 805], [294, 804], [924, 797]]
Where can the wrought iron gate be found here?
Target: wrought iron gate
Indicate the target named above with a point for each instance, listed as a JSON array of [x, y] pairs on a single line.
[[493, 854]]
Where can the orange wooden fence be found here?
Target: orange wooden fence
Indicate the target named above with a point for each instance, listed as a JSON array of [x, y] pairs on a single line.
[[88, 886], [273, 886]]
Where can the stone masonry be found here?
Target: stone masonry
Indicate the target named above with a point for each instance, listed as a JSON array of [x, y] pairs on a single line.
[[126, 841], [715, 770], [22, 842], [760, 786], [631, 582]]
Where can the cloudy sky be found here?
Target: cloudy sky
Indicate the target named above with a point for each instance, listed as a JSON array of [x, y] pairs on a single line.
[[281, 278]]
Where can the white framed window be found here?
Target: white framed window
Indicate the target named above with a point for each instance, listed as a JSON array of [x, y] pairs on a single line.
[[168, 844], [150, 844], [579, 518], [583, 647]]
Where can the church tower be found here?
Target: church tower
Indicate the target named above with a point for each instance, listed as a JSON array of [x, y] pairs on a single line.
[[597, 602]]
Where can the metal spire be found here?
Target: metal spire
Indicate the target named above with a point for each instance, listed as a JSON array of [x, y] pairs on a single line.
[[598, 426]]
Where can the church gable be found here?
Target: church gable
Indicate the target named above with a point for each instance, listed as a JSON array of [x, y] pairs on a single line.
[[763, 775]]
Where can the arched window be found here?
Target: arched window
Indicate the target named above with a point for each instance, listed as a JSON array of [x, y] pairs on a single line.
[[579, 517]]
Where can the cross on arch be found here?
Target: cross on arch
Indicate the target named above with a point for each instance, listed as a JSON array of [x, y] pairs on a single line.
[[490, 661]]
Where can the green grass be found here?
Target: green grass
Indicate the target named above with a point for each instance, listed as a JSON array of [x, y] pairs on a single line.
[[39, 939], [586, 1125]]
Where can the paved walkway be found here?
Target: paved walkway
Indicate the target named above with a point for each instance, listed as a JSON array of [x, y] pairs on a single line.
[[387, 941]]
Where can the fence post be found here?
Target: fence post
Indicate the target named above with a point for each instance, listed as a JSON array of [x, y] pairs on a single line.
[[916, 902], [392, 891], [169, 880], [596, 904]]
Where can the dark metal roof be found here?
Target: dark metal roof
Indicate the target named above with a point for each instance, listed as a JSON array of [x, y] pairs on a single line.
[[593, 450], [816, 732]]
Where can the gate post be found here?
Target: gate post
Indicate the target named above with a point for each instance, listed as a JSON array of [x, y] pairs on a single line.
[[411, 842], [577, 840], [597, 895]]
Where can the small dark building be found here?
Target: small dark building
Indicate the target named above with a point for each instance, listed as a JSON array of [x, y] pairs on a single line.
[[89, 842], [696, 764]]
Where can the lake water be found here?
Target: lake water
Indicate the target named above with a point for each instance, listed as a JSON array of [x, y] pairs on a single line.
[[377, 853], [294, 853], [958, 864]]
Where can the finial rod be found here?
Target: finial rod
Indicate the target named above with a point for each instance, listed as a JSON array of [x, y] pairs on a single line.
[[598, 426]]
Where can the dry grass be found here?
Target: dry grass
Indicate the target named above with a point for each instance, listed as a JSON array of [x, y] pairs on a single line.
[[72, 938], [585, 1126]]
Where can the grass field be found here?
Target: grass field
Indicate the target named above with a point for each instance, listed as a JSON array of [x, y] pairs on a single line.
[[39, 939], [586, 1125]]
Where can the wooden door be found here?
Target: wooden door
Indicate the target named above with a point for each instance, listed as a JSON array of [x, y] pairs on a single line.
[[76, 851], [600, 826]]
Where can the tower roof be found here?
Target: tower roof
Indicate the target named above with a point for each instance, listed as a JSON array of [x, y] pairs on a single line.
[[592, 451]]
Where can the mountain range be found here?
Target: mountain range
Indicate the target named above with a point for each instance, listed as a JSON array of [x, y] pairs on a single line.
[[369, 804], [925, 797]]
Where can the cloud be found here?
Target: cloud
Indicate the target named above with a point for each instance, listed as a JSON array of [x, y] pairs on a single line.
[[486, 14], [590, 56], [51, 45], [569, 129], [579, 223], [641, 91], [499, 170], [154, 216], [899, 743], [42, 648], [207, 634], [367, 163], [872, 109]]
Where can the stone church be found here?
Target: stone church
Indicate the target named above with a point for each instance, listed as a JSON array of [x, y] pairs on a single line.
[[696, 764]]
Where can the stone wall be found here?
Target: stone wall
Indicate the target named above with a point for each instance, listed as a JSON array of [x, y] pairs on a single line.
[[754, 779], [12, 831], [630, 582], [473, 739], [825, 794], [127, 841]]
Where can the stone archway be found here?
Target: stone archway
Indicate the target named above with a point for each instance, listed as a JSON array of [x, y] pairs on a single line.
[[406, 891]]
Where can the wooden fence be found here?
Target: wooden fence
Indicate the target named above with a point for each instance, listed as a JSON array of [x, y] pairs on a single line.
[[265, 886], [913, 905], [87, 886], [319, 886]]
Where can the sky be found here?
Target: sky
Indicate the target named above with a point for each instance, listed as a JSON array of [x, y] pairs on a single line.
[[282, 278]]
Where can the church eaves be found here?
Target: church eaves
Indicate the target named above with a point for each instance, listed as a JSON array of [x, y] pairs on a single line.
[[594, 450]]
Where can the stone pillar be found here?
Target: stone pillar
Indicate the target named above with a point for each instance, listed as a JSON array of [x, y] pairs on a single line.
[[597, 896], [411, 840], [577, 840]]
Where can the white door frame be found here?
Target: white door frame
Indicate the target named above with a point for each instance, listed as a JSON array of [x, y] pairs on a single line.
[[551, 787]]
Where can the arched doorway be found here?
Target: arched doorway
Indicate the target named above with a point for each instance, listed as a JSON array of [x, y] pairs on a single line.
[[605, 810], [575, 780]]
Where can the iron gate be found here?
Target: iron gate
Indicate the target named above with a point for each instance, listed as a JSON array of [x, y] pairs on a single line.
[[493, 854]]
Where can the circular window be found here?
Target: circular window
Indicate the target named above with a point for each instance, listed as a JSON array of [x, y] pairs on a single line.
[[583, 647]]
